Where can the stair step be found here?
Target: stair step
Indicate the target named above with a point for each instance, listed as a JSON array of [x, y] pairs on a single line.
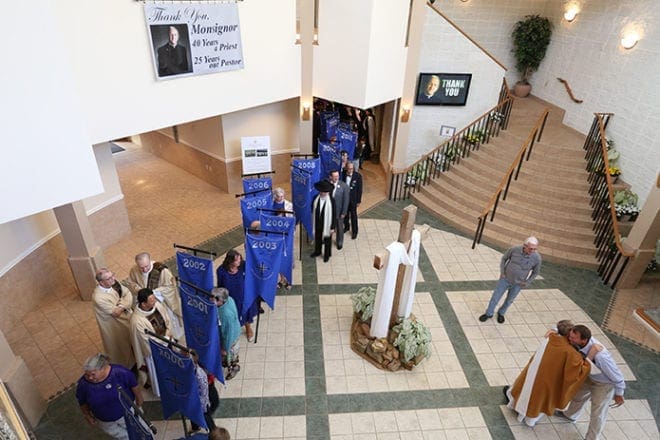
[[553, 248]]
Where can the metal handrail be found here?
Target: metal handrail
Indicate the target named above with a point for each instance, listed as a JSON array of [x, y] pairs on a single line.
[[610, 252], [534, 135], [405, 181]]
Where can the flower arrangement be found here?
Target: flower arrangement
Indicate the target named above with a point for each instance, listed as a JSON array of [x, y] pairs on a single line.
[[363, 302], [413, 340], [475, 137], [614, 171], [625, 203], [497, 116]]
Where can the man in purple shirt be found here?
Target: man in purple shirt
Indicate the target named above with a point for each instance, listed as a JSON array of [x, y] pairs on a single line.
[[518, 268], [98, 397]]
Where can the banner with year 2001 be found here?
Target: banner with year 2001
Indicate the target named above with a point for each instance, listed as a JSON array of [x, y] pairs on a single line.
[[194, 39]]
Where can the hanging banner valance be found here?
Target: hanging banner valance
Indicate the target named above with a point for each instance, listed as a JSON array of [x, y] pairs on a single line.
[[194, 39]]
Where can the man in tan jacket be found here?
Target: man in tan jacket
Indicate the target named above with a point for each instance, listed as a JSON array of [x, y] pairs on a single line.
[[113, 307]]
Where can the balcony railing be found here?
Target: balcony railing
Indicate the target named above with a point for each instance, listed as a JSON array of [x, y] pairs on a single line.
[[611, 256], [441, 158]]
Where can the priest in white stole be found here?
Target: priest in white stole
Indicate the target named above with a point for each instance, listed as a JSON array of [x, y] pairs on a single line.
[[551, 378]]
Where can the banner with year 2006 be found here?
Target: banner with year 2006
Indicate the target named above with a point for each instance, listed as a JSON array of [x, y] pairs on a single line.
[[194, 39]]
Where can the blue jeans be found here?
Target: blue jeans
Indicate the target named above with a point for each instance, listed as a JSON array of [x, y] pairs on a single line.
[[503, 285]]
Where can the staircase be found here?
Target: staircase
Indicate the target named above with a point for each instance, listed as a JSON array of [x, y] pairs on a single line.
[[549, 200]]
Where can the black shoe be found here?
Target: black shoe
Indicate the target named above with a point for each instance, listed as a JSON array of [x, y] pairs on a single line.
[[325, 259], [339, 247], [315, 254], [354, 236], [504, 390], [500, 318], [346, 229], [484, 318], [561, 414]]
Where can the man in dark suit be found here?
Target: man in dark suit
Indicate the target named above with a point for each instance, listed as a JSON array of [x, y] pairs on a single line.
[[353, 180], [340, 194], [172, 57]]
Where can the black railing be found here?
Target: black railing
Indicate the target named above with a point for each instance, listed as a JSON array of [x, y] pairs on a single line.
[[610, 254], [441, 158], [503, 188]]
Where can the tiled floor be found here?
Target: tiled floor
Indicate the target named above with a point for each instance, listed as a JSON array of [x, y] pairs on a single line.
[[633, 420], [504, 349], [453, 395]]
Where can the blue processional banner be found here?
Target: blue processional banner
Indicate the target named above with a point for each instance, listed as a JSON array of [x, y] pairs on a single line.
[[256, 184], [250, 206], [178, 384], [263, 256], [347, 140], [313, 166], [330, 156], [195, 270], [135, 427], [200, 320], [282, 224], [329, 123], [303, 191]]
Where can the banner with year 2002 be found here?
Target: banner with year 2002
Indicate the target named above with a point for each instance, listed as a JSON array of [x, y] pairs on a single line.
[[194, 39]]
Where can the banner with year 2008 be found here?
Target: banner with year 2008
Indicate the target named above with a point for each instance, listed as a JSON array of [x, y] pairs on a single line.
[[194, 39]]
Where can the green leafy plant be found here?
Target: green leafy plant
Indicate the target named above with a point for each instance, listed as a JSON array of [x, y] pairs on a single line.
[[413, 339], [363, 302], [625, 197], [531, 38]]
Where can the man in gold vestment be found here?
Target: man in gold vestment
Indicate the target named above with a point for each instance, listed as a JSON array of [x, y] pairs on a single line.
[[551, 378]]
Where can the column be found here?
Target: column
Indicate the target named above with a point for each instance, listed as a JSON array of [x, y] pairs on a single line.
[[85, 256], [642, 240]]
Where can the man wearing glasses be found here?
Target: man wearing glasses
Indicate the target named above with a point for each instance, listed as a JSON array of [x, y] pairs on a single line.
[[113, 306], [518, 268]]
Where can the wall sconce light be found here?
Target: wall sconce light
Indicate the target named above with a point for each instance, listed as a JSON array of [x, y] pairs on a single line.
[[405, 114], [629, 41], [306, 112], [465, 1], [570, 14]]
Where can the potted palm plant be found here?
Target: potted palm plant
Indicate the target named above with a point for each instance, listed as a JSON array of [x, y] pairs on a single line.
[[531, 38]]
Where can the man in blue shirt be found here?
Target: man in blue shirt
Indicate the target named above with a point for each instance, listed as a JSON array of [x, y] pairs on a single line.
[[604, 383], [518, 268]]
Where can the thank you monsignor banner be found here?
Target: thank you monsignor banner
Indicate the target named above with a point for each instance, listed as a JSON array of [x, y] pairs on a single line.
[[194, 39]]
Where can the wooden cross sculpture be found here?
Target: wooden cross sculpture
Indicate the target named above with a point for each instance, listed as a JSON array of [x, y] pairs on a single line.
[[373, 340]]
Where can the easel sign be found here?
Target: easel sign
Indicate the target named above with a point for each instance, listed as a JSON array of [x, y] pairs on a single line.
[[255, 154]]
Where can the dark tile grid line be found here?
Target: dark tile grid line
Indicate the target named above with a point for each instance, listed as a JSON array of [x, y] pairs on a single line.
[[63, 416], [582, 286], [316, 398], [479, 391]]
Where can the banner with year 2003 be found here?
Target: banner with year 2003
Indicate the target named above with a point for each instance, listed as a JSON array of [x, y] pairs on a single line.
[[194, 39]]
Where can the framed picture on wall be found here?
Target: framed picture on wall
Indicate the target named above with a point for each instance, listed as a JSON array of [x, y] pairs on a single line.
[[447, 131], [443, 88]]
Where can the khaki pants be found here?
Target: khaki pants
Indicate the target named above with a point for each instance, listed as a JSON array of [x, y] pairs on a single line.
[[601, 394]]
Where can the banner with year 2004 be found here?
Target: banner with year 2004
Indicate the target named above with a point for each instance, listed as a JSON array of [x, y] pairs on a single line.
[[194, 39]]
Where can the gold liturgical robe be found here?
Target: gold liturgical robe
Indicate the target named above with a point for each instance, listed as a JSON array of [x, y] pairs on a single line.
[[552, 376], [115, 332]]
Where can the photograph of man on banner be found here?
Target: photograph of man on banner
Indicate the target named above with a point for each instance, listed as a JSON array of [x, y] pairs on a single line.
[[172, 48]]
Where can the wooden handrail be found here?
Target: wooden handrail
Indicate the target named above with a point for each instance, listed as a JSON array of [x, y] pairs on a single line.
[[455, 26], [423, 157], [610, 188], [521, 152]]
